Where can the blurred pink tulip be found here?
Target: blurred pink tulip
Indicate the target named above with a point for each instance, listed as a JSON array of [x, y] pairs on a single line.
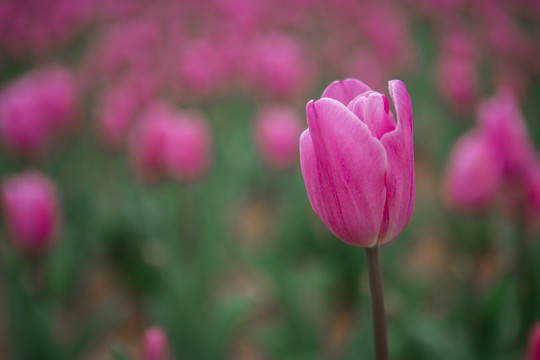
[[456, 71], [500, 118], [116, 114], [357, 164], [276, 133], [277, 66], [31, 211], [533, 348], [474, 173], [532, 192], [188, 146], [35, 108], [147, 141], [155, 344], [202, 69]]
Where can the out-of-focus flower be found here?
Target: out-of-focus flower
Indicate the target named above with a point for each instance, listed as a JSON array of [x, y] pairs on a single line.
[[500, 118], [456, 71], [155, 343], [474, 173], [357, 164], [188, 146], [31, 211], [277, 66], [276, 133], [392, 42], [533, 347], [147, 141], [116, 114], [365, 65], [532, 193], [202, 70], [36, 108]]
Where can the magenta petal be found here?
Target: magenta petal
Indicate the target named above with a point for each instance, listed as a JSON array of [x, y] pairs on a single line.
[[373, 110], [343, 167], [400, 178], [345, 91]]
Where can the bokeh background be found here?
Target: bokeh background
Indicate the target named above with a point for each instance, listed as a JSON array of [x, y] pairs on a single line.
[[208, 233]]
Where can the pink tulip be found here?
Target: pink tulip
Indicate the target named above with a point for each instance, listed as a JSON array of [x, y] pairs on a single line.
[[474, 173], [503, 123], [35, 108], [31, 211], [278, 66], [276, 133], [116, 114], [187, 150], [357, 164], [456, 71], [533, 349], [148, 140], [155, 344], [532, 192]]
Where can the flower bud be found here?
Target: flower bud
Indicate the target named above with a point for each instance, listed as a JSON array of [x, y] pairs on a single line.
[[147, 141], [155, 344], [276, 133], [474, 173], [358, 164], [533, 349], [30, 205], [187, 149]]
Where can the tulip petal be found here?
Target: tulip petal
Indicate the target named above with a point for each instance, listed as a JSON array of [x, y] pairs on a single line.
[[373, 110], [344, 167], [345, 91], [400, 178]]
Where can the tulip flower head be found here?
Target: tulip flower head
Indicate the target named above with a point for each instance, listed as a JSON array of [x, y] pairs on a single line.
[[35, 108], [30, 205], [276, 132], [474, 173], [533, 350], [357, 163], [147, 141], [188, 147], [501, 119], [155, 344]]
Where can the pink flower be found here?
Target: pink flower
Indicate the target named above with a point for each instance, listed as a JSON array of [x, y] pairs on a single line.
[[276, 133], [36, 108], [148, 140], [474, 173], [187, 150], [357, 164], [456, 71], [532, 192], [533, 349], [155, 344], [503, 123], [278, 66], [116, 114], [31, 211]]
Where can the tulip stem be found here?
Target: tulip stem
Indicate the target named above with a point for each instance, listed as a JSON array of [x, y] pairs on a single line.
[[377, 302]]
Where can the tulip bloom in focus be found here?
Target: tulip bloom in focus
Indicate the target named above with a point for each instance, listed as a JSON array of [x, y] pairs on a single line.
[[155, 344], [533, 350], [357, 163], [276, 132], [31, 211]]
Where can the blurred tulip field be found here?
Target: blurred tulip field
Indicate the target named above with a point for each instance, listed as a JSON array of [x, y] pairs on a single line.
[[153, 204]]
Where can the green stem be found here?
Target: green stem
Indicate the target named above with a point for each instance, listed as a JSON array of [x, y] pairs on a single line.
[[377, 303]]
